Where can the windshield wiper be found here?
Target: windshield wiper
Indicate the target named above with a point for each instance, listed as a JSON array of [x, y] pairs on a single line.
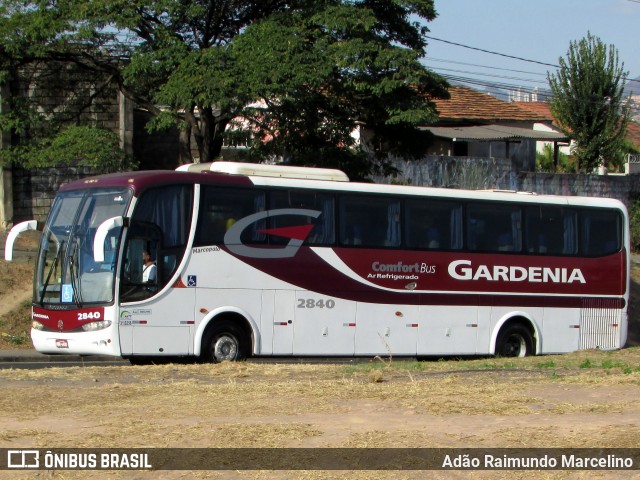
[[51, 269], [74, 273]]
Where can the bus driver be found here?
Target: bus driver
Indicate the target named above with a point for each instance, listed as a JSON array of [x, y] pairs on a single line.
[[149, 268]]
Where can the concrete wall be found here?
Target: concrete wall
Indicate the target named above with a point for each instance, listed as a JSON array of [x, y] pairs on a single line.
[[34, 190], [503, 174], [452, 172]]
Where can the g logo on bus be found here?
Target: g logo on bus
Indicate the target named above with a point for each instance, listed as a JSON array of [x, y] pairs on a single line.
[[296, 234], [60, 325]]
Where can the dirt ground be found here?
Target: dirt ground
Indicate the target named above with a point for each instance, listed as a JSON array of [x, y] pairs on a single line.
[[580, 400], [585, 399]]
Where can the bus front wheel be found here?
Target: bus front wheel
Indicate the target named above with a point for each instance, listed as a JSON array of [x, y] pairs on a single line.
[[224, 344], [514, 341]]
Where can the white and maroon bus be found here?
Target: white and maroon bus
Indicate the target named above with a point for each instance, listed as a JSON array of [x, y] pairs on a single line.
[[270, 260]]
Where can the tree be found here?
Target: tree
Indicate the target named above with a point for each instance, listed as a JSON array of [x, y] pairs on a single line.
[[588, 101], [321, 74], [319, 67]]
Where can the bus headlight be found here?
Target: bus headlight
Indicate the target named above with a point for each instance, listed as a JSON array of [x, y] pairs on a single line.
[[37, 325], [93, 326]]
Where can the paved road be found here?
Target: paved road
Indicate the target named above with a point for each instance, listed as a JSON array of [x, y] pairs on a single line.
[[29, 358]]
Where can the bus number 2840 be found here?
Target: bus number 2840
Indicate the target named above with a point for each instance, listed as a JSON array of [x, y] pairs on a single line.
[[313, 303]]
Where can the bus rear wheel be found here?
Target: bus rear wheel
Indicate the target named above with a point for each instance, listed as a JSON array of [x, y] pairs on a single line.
[[224, 344], [514, 341]]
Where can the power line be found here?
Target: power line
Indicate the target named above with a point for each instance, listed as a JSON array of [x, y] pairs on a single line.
[[431, 59], [504, 55], [508, 87], [527, 80], [493, 53]]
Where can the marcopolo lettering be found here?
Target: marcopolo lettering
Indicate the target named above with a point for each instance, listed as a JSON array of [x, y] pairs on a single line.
[[465, 270]]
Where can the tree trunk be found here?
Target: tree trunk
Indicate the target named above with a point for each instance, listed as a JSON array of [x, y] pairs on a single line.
[[217, 136], [205, 121], [184, 147]]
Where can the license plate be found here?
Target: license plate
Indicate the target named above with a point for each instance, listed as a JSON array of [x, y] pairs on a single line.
[[62, 344]]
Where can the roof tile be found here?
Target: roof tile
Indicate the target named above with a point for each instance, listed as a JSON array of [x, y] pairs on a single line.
[[469, 104]]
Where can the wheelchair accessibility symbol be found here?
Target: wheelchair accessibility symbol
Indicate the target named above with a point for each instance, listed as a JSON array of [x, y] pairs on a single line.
[[192, 281], [67, 293]]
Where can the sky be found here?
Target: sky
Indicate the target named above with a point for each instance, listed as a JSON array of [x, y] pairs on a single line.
[[535, 30]]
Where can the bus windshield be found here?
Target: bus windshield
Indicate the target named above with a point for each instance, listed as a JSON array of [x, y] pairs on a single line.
[[66, 273]]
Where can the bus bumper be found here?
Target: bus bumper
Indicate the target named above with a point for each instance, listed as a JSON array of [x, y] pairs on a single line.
[[78, 343]]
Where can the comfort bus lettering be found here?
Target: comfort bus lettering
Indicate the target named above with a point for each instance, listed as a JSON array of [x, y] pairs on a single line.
[[400, 267], [465, 270]]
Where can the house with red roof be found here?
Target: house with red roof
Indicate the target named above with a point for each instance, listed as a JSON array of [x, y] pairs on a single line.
[[475, 124]]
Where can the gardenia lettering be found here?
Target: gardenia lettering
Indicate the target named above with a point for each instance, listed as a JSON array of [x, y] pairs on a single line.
[[465, 270]]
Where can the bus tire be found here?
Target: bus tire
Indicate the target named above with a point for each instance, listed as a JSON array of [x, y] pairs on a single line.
[[224, 343], [515, 340]]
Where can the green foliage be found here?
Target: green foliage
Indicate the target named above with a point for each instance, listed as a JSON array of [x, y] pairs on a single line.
[[545, 161], [587, 101], [587, 364], [75, 146], [546, 364]]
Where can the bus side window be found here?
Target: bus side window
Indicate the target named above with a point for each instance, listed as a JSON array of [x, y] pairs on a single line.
[[550, 230], [221, 208], [433, 225], [370, 221], [135, 285], [323, 230], [600, 232], [494, 228], [159, 225]]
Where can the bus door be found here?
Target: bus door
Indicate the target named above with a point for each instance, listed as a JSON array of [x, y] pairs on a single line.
[[157, 314], [281, 322]]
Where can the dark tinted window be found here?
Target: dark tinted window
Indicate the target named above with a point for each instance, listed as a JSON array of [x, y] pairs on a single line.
[[601, 232], [323, 232], [160, 229], [220, 208], [433, 225], [370, 221], [494, 228], [551, 230]]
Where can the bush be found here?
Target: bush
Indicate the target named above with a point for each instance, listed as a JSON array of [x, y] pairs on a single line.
[[82, 146]]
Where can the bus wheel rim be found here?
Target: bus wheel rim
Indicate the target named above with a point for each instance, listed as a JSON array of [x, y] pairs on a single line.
[[225, 348], [515, 346]]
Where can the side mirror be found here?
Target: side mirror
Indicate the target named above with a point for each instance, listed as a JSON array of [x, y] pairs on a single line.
[[13, 234], [101, 235]]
